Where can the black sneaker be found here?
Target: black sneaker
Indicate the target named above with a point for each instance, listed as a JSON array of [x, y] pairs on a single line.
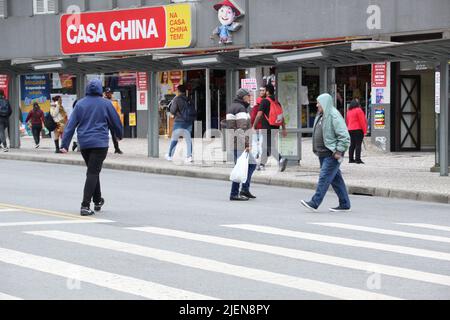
[[309, 206], [351, 161], [283, 164], [118, 151], [238, 198], [74, 146], [359, 162], [340, 209], [247, 194], [98, 206], [86, 211]]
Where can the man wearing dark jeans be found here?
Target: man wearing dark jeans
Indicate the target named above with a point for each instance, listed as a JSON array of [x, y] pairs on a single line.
[[93, 118], [330, 141]]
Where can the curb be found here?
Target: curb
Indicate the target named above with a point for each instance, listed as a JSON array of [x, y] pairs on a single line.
[[273, 181]]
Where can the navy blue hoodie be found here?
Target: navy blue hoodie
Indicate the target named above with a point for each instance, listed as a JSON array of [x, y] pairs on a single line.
[[93, 117]]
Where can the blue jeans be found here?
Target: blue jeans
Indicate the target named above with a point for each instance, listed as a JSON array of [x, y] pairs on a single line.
[[245, 186], [330, 174], [181, 129]]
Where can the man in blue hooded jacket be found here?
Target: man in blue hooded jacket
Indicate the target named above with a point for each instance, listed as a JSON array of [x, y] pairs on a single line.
[[93, 118], [331, 140]]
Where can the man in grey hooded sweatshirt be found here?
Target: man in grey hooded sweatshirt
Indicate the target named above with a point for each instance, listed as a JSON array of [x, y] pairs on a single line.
[[330, 141]]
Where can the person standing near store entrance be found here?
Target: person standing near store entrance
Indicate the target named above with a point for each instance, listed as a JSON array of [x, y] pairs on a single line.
[[93, 118], [116, 105], [330, 142], [357, 127], [5, 113]]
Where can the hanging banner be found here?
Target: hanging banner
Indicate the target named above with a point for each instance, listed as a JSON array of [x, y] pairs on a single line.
[[161, 27], [4, 84], [379, 75]]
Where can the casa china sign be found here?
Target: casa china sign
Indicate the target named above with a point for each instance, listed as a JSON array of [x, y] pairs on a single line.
[[160, 27]]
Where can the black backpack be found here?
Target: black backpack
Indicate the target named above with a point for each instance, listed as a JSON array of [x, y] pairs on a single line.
[[49, 123], [4, 108], [189, 114]]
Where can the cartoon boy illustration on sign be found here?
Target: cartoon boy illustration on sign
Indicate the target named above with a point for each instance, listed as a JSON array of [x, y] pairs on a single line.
[[228, 12]]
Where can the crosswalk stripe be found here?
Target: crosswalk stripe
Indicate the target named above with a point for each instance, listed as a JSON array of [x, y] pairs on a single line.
[[319, 287], [55, 222], [385, 232], [426, 226], [4, 296], [9, 210], [345, 241], [304, 255], [104, 279]]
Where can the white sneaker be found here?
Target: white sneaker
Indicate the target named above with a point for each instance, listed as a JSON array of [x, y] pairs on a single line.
[[189, 160], [168, 158], [5, 150], [37, 146]]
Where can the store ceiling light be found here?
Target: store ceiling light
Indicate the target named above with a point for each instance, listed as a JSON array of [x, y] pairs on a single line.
[[199, 60], [299, 56], [48, 66]]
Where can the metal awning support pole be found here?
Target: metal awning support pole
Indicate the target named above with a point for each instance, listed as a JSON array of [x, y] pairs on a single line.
[[14, 98], [208, 103], [153, 123], [323, 79], [444, 121]]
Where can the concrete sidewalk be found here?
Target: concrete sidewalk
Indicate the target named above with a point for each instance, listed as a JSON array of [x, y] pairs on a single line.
[[395, 175]]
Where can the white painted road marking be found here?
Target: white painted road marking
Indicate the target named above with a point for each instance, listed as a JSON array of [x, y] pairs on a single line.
[[4, 296], [304, 255], [55, 222], [385, 232], [426, 226], [104, 279], [345, 241], [318, 287], [9, 210]]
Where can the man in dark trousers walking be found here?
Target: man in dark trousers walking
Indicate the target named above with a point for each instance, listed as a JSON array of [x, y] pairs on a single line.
[[93, 118], [5, 113]]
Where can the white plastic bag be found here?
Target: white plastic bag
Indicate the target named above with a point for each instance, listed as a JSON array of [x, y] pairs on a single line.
[[240, 170]]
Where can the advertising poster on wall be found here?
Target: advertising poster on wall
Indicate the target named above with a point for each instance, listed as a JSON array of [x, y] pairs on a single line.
[[168, 83], [4, 84], [288, 97], [381, 83], [34, 88], [142, 94]]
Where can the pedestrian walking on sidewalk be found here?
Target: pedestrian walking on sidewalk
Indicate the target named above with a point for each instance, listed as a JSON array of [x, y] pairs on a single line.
[[5, 113], [238, 119], [93, 118], [330, 142], [271, 128], [183, 110], [357, 127], [36, 118], [59, 115], [118, 108]]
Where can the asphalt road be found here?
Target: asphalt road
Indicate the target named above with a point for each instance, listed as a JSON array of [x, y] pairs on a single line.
[[162, 237]]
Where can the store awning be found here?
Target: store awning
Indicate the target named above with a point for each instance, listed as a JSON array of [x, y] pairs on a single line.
[[333, 55]]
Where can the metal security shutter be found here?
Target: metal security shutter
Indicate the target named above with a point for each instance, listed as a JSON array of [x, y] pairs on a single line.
[[2, 8], [44, 6], [51, 6]]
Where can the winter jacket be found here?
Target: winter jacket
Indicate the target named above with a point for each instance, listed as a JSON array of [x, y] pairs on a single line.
[[118, 109], [58, 113], [356, 120], [93, 117], [254, 113], [36, 117], [177, 105], [3, 100], [238, 119], [335, 133]]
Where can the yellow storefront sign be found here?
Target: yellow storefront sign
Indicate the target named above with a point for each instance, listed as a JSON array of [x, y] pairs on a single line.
[[179, 26]]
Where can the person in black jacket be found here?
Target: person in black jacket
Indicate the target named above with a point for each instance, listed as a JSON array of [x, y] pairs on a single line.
[[5, 113]]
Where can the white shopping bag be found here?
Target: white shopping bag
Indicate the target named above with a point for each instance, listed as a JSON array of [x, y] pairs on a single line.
[[240, 171]]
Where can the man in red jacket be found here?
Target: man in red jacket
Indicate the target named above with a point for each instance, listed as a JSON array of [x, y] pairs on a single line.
[[258, 136]]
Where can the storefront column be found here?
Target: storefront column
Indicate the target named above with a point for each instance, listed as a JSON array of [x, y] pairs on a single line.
[[14, 120], [208, 103], [81, 85], [323, 79], [153, 117], [444, 121]]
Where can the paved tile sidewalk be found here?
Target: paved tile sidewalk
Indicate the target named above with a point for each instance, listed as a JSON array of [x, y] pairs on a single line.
[[397, 175]]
